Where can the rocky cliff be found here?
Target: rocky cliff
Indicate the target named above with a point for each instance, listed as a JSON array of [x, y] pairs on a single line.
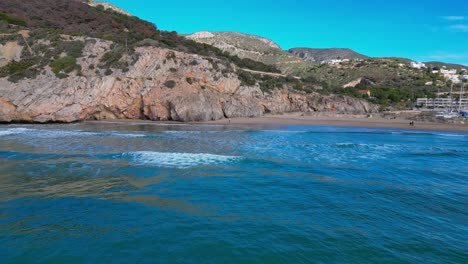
[[67, 60], [159, 84]]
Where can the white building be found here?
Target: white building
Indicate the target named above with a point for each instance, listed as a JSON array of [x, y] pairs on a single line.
[[449, 72], [334, 62], [450, 75], [417, 65], [443, 103]]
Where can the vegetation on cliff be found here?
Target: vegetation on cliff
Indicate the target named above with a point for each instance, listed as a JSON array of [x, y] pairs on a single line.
[[48, 20]]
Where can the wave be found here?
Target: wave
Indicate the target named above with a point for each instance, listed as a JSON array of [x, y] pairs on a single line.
[[349, 145], [416, 133], [14, 131], [42, 133], [178, 160], [449, 135], [127, 135], [201, 131], [62, 133], [5, 133], [438, 154], [364, 145]]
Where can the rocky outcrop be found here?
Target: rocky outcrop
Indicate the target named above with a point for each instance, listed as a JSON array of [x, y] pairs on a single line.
[[319, 55], [109, 6], [160, 85], [10, 51], [246, 46], [358, 81]]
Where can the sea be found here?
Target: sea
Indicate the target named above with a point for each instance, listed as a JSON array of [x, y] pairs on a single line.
[[176, 193]]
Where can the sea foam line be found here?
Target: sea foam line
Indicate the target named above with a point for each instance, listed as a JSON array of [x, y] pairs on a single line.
[[14, 131], [43, 133], [179, 160]]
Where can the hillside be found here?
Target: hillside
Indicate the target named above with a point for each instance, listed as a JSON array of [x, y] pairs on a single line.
[[319, 55], [392, 81], [447, 65], [66, 61], [245, 46]]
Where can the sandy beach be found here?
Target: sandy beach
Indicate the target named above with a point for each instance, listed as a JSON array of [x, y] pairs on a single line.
[[342, 120], [322, 120]]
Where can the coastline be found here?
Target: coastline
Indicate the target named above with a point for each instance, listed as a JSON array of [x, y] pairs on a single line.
[[316, 120], [343, 121]]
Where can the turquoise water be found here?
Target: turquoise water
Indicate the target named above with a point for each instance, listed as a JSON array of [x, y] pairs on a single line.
[[133, 193]]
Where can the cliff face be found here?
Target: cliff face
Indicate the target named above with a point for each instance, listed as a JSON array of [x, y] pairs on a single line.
[[159, 85]]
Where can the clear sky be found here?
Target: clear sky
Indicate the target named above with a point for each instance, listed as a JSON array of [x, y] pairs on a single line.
[[422, 30]]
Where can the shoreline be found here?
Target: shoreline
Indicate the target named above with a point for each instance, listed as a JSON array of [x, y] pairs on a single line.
[[343, 121], [318, 120]]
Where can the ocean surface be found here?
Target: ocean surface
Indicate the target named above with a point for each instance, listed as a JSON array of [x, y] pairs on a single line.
[[136, 193]]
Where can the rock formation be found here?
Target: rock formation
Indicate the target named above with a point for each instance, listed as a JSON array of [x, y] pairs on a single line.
[[160, 85]]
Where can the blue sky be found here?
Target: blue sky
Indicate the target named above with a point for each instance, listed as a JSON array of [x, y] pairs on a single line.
[[422, 30]]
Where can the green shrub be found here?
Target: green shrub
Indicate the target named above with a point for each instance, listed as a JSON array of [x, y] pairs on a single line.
[[17, 70], [246, 78], [72, 48], [171, 56], [12, 20], [190, 80], [108, 72], [66, 64], [170, 84], [111, 59]]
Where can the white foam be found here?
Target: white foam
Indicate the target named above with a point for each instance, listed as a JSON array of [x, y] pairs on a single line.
[[179, 160], [62, 133], [14, 131], [281, 131], [127, 135], [200, 131], [43, 133], [5, 133], [348, 144], [449, 135]]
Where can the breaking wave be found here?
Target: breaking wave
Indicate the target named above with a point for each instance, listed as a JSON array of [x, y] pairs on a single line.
[[42, 133], [178, 160]]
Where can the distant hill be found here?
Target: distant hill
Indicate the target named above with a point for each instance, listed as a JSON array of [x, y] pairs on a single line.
[[234, 39], [448, 65], [318, 55], [245, 46]]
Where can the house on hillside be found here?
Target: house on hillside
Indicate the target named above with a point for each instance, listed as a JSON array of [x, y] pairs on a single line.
[[417, 65]]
